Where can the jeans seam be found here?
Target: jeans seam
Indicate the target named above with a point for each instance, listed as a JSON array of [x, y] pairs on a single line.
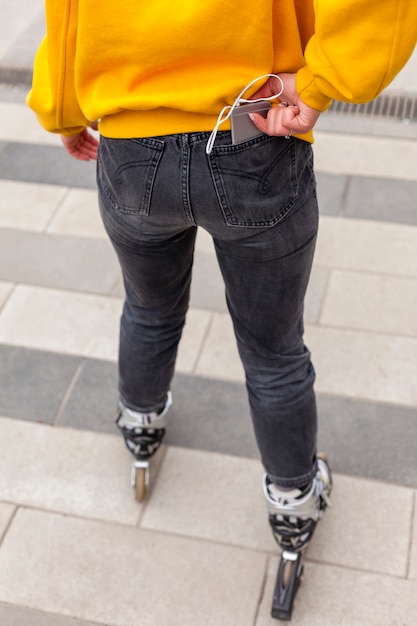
[[185, 180]]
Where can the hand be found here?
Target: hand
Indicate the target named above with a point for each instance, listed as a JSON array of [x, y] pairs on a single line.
[[296, 118], [82, 146]]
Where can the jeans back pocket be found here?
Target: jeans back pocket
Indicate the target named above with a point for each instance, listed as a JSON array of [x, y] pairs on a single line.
[[127, 170], [256, 181]]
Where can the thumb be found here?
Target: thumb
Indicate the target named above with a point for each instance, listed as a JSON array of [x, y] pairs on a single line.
[[259, 121]]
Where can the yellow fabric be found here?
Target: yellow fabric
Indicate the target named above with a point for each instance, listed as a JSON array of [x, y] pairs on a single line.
[[161, 67]]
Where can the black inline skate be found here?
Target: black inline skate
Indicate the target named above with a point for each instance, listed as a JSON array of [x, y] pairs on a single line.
[[293, 516], [143, 434]]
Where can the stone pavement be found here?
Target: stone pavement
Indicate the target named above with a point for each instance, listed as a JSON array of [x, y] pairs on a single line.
[[75, 548]]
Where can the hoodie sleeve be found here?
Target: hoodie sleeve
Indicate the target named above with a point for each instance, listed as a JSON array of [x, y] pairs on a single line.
[[53, 95], [357, 49]]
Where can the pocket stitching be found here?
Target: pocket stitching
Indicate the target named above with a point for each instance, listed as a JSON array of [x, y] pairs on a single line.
[[222, 195], [151, 166]]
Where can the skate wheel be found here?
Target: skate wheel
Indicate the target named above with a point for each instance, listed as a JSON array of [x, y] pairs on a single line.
[[140, 484]]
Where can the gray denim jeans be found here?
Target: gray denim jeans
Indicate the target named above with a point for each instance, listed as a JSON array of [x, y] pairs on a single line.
[[257, 199]]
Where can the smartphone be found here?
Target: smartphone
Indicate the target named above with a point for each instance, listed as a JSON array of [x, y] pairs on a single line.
[[242, 126]]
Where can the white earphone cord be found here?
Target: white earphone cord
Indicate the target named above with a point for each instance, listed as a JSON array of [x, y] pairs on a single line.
[[240, 100]]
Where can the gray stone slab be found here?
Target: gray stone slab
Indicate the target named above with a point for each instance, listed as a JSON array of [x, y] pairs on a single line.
[[211, 415], [382, 199], [207, 414], [331, 189], [33, 383], [22, 51], [13, 93], [315, 294], [369, 439], [11, 615], [58, 261], [92, 403], [118, 290], [361, 438], [207, 289], [45, 164], [123, 576]]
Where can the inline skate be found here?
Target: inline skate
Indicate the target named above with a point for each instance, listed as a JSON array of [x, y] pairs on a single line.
[[143, 434], [293, 516]]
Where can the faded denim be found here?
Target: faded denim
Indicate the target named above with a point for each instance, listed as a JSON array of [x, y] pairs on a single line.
[[258, 201]]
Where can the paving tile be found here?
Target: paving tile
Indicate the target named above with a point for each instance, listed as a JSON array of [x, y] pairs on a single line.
[[5, 291], [369, 439], [367, 246], [330, 193], [206, 414], [93, 400], [204, 241], [17, 616], [6, 514], [382, 199], [387, 374], [211, 415], [363, 365], [22, 52], [28, 206], [210, 496], [118, 290], [13, 93], [219, 357], [382, 304], [33, 383], [45, 164], [356, 532], [79, 216], [17, 19], [413, 550], [339, 153], [19, 124], [99, 572], [332, 595], [74, 472], [199, 494], [60, 321], [195, 331], [82, 324], [59, 261], [315, 294], [207, 287]]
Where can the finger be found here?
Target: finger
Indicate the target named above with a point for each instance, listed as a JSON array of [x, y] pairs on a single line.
[[263, 92], [89, 148], [85, 154], [275, 124]]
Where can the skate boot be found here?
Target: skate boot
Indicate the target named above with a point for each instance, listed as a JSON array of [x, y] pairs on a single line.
[[143, 434], [293, 516]]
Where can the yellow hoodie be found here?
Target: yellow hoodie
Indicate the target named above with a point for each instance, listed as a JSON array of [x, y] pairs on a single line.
[[160, 67]]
